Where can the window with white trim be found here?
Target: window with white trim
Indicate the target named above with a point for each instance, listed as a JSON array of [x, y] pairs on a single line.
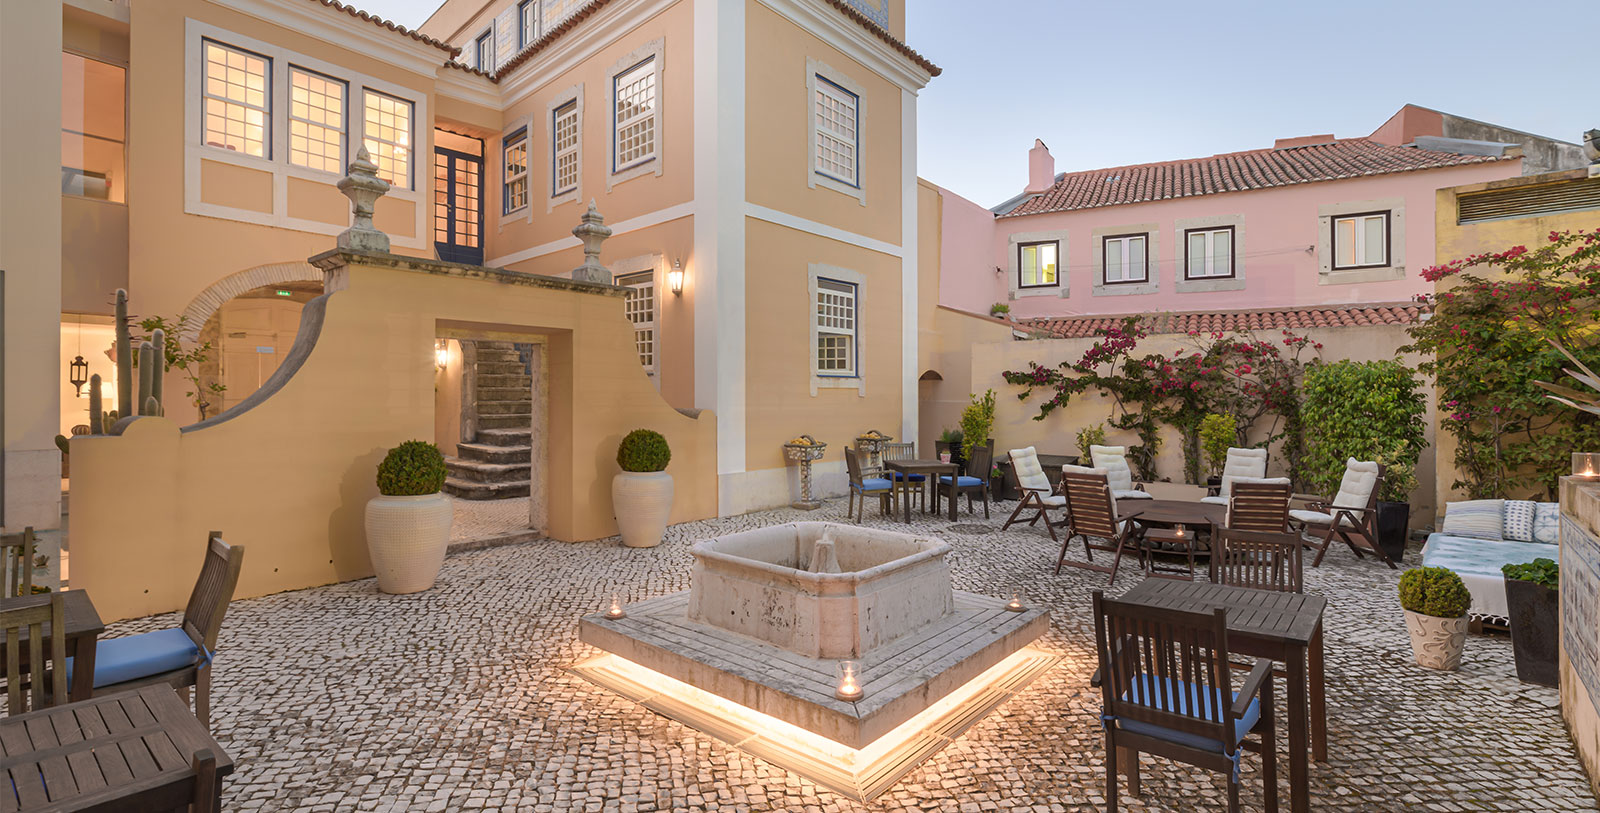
[[564, 149], [1208, 253], [1361, 241], [527, 22], [316, 120], [388, 137], [516, 170], [836, 328], [634, 115], [1036, 264], [1126, 258], [835, 125], [483, 49], [237, 99], [640, 308]]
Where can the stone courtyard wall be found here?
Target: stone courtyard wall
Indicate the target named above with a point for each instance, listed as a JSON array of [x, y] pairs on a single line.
[[1580, 619]]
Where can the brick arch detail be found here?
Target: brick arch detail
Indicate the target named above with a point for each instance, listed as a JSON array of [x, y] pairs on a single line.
[[219, 292]]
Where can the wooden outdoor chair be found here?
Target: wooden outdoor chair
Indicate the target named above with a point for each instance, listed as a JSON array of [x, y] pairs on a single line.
[[1038, 495], [907, 482], [16, 560], [181, 656], [45, 681], [1092, 514], [969, 484], [1166, 689], [1351, 516], [1259, 505], [1264, 560], [862, 487], [1240, 463]]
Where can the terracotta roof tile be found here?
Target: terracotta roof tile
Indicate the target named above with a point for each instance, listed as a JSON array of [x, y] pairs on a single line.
[[395, 27], [1387, 313], [1235, 172]]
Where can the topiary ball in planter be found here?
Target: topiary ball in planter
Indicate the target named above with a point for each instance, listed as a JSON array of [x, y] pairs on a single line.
[[641, 494], [408, 524], [1435, 603]]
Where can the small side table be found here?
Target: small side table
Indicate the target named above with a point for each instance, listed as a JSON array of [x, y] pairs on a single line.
[[1183, 542]]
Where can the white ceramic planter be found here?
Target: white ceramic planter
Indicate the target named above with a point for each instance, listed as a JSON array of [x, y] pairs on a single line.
[[642, 501], [407, 537], [1437, 642]]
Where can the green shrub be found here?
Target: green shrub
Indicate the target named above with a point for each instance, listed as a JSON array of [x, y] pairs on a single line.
[[1218, 433], [644, 450], [1543, 572], [1368, 410], [1434, 591], [411, 469], [1090, 436], [999, 309], [976, 421]]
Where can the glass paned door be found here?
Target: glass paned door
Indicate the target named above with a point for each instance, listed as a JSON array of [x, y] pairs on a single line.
[[458, 206]]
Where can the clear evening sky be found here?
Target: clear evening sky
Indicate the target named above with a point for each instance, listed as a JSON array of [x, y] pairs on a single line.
[[1113, 83]]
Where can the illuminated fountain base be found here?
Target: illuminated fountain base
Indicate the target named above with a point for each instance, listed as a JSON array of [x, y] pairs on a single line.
[[932, 661]]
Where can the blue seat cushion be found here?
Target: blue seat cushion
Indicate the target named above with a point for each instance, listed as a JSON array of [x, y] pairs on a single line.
[[963, 481], [119, 660], [875, 484], [1180, 694], [915, 478]]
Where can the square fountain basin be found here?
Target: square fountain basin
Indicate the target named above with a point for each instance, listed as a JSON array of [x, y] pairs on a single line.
[[757, 583]]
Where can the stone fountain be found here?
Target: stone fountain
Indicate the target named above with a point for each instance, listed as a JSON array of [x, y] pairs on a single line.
[[750, 653]]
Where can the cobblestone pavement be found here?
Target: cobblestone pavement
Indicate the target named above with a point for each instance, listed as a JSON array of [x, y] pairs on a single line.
[[342, 698], [479, 519]]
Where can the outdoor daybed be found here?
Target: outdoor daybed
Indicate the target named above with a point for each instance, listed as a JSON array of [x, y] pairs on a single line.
[[1481, 535]]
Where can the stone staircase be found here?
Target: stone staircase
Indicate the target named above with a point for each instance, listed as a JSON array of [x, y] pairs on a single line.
[[497, 464]]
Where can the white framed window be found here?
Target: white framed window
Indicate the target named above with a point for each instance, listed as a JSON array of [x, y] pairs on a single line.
[[316, 120], [388, 136], [565, 135], [1208, 253], [238, 99], [483, 50], [515, 153], [836, 328], [1361, 241], [835, 125], [527, 22], [634, 115], [1126, 258], [640, 308], [1037, 264]]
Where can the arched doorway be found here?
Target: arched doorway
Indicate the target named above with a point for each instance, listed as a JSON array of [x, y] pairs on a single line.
[[250, 335]]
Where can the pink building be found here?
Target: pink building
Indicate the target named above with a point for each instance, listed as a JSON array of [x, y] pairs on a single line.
[[1311, 221]]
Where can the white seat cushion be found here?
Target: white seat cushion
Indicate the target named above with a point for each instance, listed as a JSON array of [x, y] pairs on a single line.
[[1114, 459], [1319, 518], [1242, 463], [1216, 500], [1030, 475], [1355, 489], [1131, 494], [1071, 469], [1055, 500]]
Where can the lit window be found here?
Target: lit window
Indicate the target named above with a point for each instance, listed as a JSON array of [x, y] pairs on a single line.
[[1125, 259], [388, 137], [1361, 241], [237, 104], [836, 328], [635, 112], [516, 155], [835, 125], [485, 51], [316, 121], [1036, 265], [1209, 254], [640, 308], [93, 128], [527, 22], [564, 149]]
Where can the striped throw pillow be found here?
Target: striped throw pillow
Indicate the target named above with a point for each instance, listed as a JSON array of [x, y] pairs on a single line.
[[1519, 520], [1477, 519]]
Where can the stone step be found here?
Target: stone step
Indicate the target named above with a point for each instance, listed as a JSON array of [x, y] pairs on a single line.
[[523, 422], [500, 368], [469, 490], [491, 345], [520, 381], [511, 436], [489, 453], [523, 408], [504, 394], [498, 354], [478, 471]]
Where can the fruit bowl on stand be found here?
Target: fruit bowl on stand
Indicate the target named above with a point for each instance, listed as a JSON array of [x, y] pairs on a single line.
[[871, 443], [803, 450]]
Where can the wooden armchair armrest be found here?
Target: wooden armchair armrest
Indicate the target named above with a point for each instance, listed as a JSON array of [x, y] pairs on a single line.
[[1259, 676]]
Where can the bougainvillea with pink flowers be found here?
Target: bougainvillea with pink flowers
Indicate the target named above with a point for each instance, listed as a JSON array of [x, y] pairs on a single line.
[[1487, 345]]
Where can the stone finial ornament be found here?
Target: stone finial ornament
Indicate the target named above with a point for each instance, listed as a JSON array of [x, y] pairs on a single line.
[[1591, 148], [363, 187], [592, 230]]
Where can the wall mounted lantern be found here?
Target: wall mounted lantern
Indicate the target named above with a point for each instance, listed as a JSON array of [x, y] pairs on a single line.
[[675, 277], [441, 353], [78, 374]]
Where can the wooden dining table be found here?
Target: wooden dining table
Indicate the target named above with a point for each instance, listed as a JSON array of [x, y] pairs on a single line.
[[135, 750], [932, 469], [83, 632], [1284, 627]]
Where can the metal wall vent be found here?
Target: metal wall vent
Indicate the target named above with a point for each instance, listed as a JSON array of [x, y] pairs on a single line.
[[1538, 201]]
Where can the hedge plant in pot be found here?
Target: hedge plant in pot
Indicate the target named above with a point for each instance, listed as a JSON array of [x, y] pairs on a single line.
[[1435, 603], [1534, 608], [1218, 433], [641, 495], [1368, 410], [408, 524]]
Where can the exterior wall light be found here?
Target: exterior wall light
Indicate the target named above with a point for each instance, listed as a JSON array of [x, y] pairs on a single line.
[[441, 353], [675, 277]]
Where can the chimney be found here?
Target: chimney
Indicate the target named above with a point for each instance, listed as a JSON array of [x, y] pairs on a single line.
[[1041, 168]]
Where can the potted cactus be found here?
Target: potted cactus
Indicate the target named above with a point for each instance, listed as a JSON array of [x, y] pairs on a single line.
[[641, 494], [408, 524], [1435, 603], [1532, 604]]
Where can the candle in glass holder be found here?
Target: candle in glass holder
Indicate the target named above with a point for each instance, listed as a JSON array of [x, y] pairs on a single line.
[[849, 688], [615, 611], [1586, 464], [1015, 604], [1177, 531]]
